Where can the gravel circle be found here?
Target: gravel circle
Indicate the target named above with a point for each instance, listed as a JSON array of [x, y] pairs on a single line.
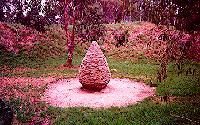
[[118, 93]]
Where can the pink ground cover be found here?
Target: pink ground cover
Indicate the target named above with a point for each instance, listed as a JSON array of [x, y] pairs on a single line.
[[29, 91], [119, 92], [24, 81], [13, 87]]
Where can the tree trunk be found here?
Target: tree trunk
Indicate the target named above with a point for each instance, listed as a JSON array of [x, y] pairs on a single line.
[[123, 10], [69, 38], [71, 45], [66, 24]]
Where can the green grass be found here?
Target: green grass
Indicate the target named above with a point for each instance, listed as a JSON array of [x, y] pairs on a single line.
[[44, 73], [132, 68], [174, 85], [139, 71], [44, 67], [144, 113], [181, 85]]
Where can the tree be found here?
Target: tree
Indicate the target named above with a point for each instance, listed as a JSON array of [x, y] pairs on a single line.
[[89, 26], [18, 10], [4, 8], [188, 17], [69, 38], [33, 18], [112, 11], [53, 9], [86, 19]]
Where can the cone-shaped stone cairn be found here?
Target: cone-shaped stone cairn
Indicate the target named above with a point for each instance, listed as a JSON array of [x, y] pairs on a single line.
[[94, 73]]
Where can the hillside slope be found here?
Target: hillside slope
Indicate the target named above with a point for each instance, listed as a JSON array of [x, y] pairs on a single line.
[[143, 41]]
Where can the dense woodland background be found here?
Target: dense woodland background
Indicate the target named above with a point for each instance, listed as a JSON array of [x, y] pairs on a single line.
[[85, 20], [184, 14]]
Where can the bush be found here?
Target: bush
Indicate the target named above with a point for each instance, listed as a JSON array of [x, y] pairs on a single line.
[[29, 44]]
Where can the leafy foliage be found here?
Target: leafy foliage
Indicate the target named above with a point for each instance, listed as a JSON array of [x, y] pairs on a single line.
[[89, 25], [24, 99]]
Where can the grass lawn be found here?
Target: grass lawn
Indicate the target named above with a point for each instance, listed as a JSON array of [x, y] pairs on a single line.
[[144, 113], [148, 112]]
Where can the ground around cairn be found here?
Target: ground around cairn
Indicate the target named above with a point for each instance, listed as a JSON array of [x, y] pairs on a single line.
[[118, 93]]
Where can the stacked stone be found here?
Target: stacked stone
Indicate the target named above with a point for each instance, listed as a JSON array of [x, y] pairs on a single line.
[[94, 73]]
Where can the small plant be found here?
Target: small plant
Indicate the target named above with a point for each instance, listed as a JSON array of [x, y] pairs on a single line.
[[6, 113], [22, 108], [25, 102]]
